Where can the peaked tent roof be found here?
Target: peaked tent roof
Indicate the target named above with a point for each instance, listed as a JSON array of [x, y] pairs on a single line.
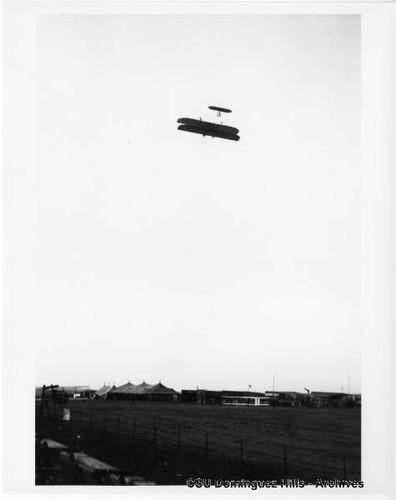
[[126, 388], [160, 388], [144, 388]]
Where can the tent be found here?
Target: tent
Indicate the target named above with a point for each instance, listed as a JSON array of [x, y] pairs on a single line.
[[102, 392], [144, 391]]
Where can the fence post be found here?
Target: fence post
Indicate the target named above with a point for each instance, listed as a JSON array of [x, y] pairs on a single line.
[[41, 413], [178, 437], [104, 427], [284, 463], [48, 410], [134, 434], [241, 452], [206, 444], [155, 436], [344, 467], [90, 425], [118, 431]]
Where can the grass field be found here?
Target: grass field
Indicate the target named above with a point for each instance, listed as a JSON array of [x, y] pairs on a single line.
[[170, 441]]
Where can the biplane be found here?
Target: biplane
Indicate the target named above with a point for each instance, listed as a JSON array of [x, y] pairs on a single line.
[[209, 128]]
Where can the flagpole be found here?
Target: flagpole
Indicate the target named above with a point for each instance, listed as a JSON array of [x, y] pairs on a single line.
[[349, 381]]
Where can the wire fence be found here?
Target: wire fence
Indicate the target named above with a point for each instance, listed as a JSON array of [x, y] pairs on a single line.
[[194, 449]]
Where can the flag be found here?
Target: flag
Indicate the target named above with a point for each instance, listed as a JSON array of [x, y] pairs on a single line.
[[66, 414]]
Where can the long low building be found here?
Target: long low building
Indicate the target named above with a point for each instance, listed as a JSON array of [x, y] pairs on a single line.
[[204, 397], [334, 399], [286, 398]]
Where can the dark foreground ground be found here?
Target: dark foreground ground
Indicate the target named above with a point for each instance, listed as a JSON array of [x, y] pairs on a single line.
[[170, 442]]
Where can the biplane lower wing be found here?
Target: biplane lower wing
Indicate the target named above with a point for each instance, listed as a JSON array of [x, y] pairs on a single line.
[[215, 127], [212, 133]]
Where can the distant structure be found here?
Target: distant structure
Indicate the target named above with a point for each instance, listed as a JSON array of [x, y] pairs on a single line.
[[76, 392], [334, 399], [272, 398], [70, 391], [159, 392]]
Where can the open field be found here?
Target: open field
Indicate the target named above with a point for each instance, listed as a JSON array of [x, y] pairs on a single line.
[[184, 440]]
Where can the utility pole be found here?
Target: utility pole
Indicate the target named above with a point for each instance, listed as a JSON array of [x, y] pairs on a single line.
[[52, 387]]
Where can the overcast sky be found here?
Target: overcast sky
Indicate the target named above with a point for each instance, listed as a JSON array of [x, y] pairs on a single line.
[[196, 261]]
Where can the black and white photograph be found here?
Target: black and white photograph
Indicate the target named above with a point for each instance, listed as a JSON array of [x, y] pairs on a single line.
[[196, 223]]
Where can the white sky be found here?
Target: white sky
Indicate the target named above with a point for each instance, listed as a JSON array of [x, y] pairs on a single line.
[[198, 261]]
